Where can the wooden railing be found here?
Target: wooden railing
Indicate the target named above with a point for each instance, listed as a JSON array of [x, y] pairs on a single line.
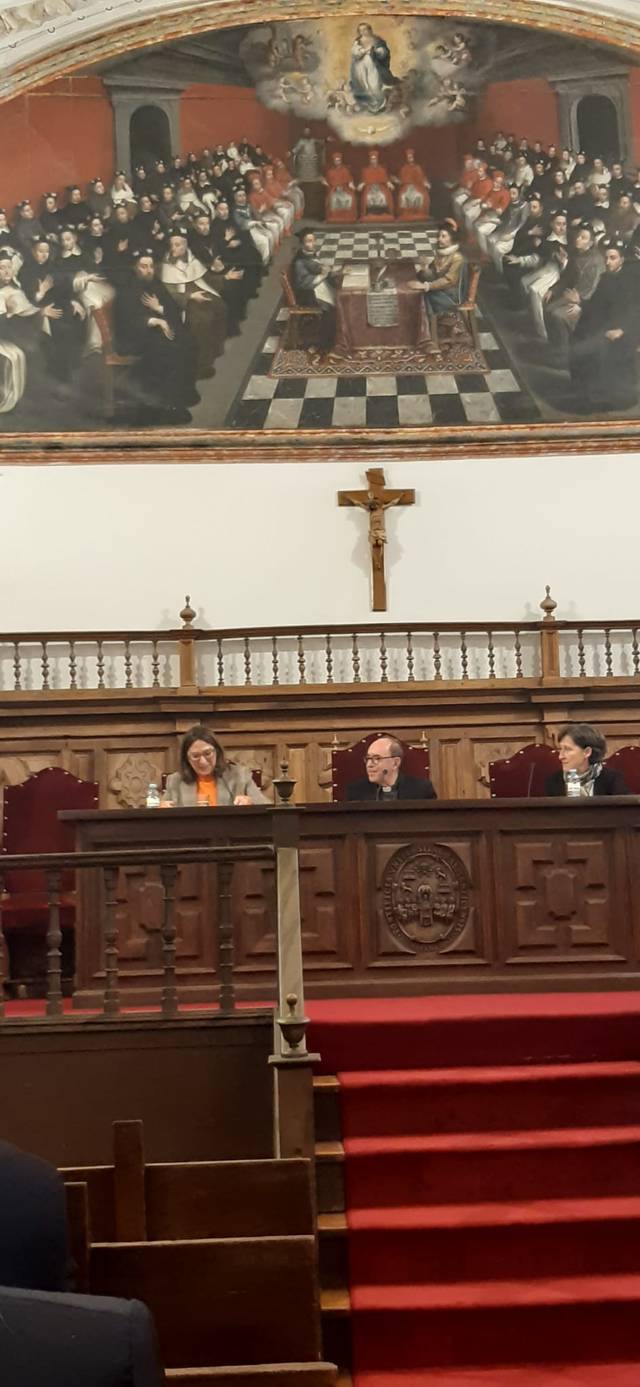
[[289, 1033], [192, 659]]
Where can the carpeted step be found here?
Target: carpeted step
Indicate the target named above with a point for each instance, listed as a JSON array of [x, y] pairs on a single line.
[[535, 1375], [469, 1242], [480, 1167], [495, 1322], [383, 1033], [494, 1098]]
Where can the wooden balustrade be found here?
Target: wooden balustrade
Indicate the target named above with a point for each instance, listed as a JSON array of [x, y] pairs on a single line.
[[167, 860], [191, 659]]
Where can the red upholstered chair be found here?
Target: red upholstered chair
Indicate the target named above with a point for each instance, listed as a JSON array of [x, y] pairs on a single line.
[[30, 824], [347, 763], [524, 775], [627, 761]]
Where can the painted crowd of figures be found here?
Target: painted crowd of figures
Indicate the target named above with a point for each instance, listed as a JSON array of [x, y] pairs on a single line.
[[563, 232], [161, 265]]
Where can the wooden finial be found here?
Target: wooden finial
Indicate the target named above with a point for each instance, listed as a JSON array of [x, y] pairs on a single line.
[[424, 740], [187, 612], [548, 605]]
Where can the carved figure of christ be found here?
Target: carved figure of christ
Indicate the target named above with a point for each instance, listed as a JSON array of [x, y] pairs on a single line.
[[376, 500]]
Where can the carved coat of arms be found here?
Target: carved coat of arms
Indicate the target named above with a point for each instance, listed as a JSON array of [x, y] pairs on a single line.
[[426, 896]]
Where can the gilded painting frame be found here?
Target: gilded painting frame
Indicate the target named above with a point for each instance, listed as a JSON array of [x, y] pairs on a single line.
[[368, 444]]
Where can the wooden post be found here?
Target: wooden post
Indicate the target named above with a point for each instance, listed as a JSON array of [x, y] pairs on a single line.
[[128, 1180], [187, 650], [292, 1064], [54, 944], [549, 644]]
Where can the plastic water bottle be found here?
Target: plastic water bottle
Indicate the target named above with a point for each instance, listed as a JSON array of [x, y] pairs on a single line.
[[153, 796], [573, 784]]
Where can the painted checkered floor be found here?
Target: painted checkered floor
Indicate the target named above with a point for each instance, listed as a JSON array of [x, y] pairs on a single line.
[[335, 247], [496, 396]]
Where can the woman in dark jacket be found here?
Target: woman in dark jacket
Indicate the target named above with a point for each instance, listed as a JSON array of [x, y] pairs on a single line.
[[582, 749]]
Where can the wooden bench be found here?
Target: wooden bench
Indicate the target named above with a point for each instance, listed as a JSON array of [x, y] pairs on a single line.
[[133, 1201], [219, 1301]]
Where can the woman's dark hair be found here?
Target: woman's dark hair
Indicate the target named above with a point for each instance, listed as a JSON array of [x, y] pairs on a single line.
[[199, 734], [585, 736]]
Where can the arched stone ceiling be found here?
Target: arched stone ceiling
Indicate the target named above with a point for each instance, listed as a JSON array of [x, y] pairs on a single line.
[[48, 38]]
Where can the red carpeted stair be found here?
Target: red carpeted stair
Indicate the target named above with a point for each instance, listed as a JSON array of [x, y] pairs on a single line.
[[493, 1209]]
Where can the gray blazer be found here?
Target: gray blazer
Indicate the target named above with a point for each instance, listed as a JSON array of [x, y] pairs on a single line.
[[234, 780]]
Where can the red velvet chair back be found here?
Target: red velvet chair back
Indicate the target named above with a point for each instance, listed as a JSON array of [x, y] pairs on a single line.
[[30, 822], [347, 763], [523, 776], [627, 760]]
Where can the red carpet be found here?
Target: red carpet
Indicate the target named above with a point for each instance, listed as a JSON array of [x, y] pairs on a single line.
[[493, 1187]]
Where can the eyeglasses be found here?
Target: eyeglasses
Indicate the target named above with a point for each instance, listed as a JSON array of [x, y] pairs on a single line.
[[201, 755], [375, 760]]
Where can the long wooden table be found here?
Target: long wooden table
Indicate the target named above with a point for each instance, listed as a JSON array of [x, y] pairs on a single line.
[[407, 899]]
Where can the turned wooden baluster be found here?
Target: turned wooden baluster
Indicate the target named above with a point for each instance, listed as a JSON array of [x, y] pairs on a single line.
[[54, 943], [220, 663], [100, 664], [17, 671], [464, 658], [635, 650], [491, 654], [355, 659], [127, 664], [247, 660], [111, 1004], [44, 664], [384, 678], [410, 662], [437, 659], [155, 666], [302, 676], [168, 875], [72, 665], [581, 659], [328, 652], [275, 679], [518, 650], [225, 936], [608, 652]]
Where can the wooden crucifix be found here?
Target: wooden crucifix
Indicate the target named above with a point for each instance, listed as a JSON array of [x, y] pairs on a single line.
[[376, 500]]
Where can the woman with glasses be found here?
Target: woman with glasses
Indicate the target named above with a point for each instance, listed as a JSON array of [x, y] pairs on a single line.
[[207, 778]]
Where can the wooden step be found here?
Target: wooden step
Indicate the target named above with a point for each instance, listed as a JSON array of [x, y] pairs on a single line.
[[333, 1252], [326, 1103], [261, 1375], [330, 1177]]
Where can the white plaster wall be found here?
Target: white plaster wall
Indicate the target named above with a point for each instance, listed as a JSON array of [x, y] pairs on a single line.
[[119, 546]]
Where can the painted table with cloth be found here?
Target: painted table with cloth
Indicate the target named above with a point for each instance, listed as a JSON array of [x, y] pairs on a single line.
[[376, 307]]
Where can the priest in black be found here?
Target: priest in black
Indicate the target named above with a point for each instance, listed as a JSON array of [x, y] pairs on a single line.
[[385, 780], [603, 349], [149, 326]]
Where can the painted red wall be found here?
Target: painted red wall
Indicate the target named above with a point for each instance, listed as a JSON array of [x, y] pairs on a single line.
[[214, 115], [59, 134], [526, 107]]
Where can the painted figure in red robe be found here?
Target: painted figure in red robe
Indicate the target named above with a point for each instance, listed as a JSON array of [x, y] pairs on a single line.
[[340, 204], [413, 192], [375, 188]]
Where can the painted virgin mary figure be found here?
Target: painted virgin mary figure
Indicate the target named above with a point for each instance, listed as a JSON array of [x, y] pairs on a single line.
[[371, 79]]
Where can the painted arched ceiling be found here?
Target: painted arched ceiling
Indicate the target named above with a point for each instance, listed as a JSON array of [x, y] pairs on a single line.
[[42, 39]]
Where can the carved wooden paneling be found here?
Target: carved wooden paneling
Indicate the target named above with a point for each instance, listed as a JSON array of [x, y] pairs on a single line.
[[322, 891], [128, 777], [558, 897]]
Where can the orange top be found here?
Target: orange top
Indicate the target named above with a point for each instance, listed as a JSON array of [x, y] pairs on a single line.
[[207, 790]]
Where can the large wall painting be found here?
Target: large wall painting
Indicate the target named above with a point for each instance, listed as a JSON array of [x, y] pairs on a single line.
[[325, 233]]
